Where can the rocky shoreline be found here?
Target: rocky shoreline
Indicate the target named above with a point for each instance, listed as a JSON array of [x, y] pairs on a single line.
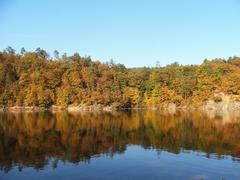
[[227, 103], [55, 108], [209, 106]]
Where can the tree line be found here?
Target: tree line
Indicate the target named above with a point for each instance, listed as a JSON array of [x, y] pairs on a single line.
[[36, 79]]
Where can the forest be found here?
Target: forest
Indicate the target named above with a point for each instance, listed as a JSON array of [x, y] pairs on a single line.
[[36, 79]]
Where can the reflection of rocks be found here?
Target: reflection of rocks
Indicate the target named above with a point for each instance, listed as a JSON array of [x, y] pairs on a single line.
[[225, 107], [226, 116]]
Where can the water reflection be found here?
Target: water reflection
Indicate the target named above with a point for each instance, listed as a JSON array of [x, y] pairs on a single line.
[[39, 139]]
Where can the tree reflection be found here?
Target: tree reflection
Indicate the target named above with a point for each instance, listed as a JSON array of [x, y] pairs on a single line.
[[32, 139]]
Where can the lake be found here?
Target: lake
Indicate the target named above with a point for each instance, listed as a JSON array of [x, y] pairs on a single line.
[[119, 145]]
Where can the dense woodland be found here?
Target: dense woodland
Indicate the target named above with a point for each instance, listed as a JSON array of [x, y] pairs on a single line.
[[36, 79]]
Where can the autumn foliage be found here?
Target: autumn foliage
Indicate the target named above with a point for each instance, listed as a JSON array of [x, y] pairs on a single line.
[[35, 79]]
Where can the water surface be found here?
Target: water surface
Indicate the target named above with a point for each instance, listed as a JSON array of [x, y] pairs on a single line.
[[119, 145]]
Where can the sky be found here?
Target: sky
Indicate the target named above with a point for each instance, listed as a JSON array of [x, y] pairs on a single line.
[[135, 33]]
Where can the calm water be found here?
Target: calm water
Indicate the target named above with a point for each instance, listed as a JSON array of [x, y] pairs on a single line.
[[119, 145]]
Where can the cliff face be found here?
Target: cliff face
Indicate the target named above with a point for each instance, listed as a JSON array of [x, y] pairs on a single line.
[[223, 102]]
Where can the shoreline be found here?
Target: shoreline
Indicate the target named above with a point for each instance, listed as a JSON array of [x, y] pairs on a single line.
[[210, 106]]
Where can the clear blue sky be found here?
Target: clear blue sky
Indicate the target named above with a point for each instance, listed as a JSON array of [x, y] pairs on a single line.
[[132, 32]]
